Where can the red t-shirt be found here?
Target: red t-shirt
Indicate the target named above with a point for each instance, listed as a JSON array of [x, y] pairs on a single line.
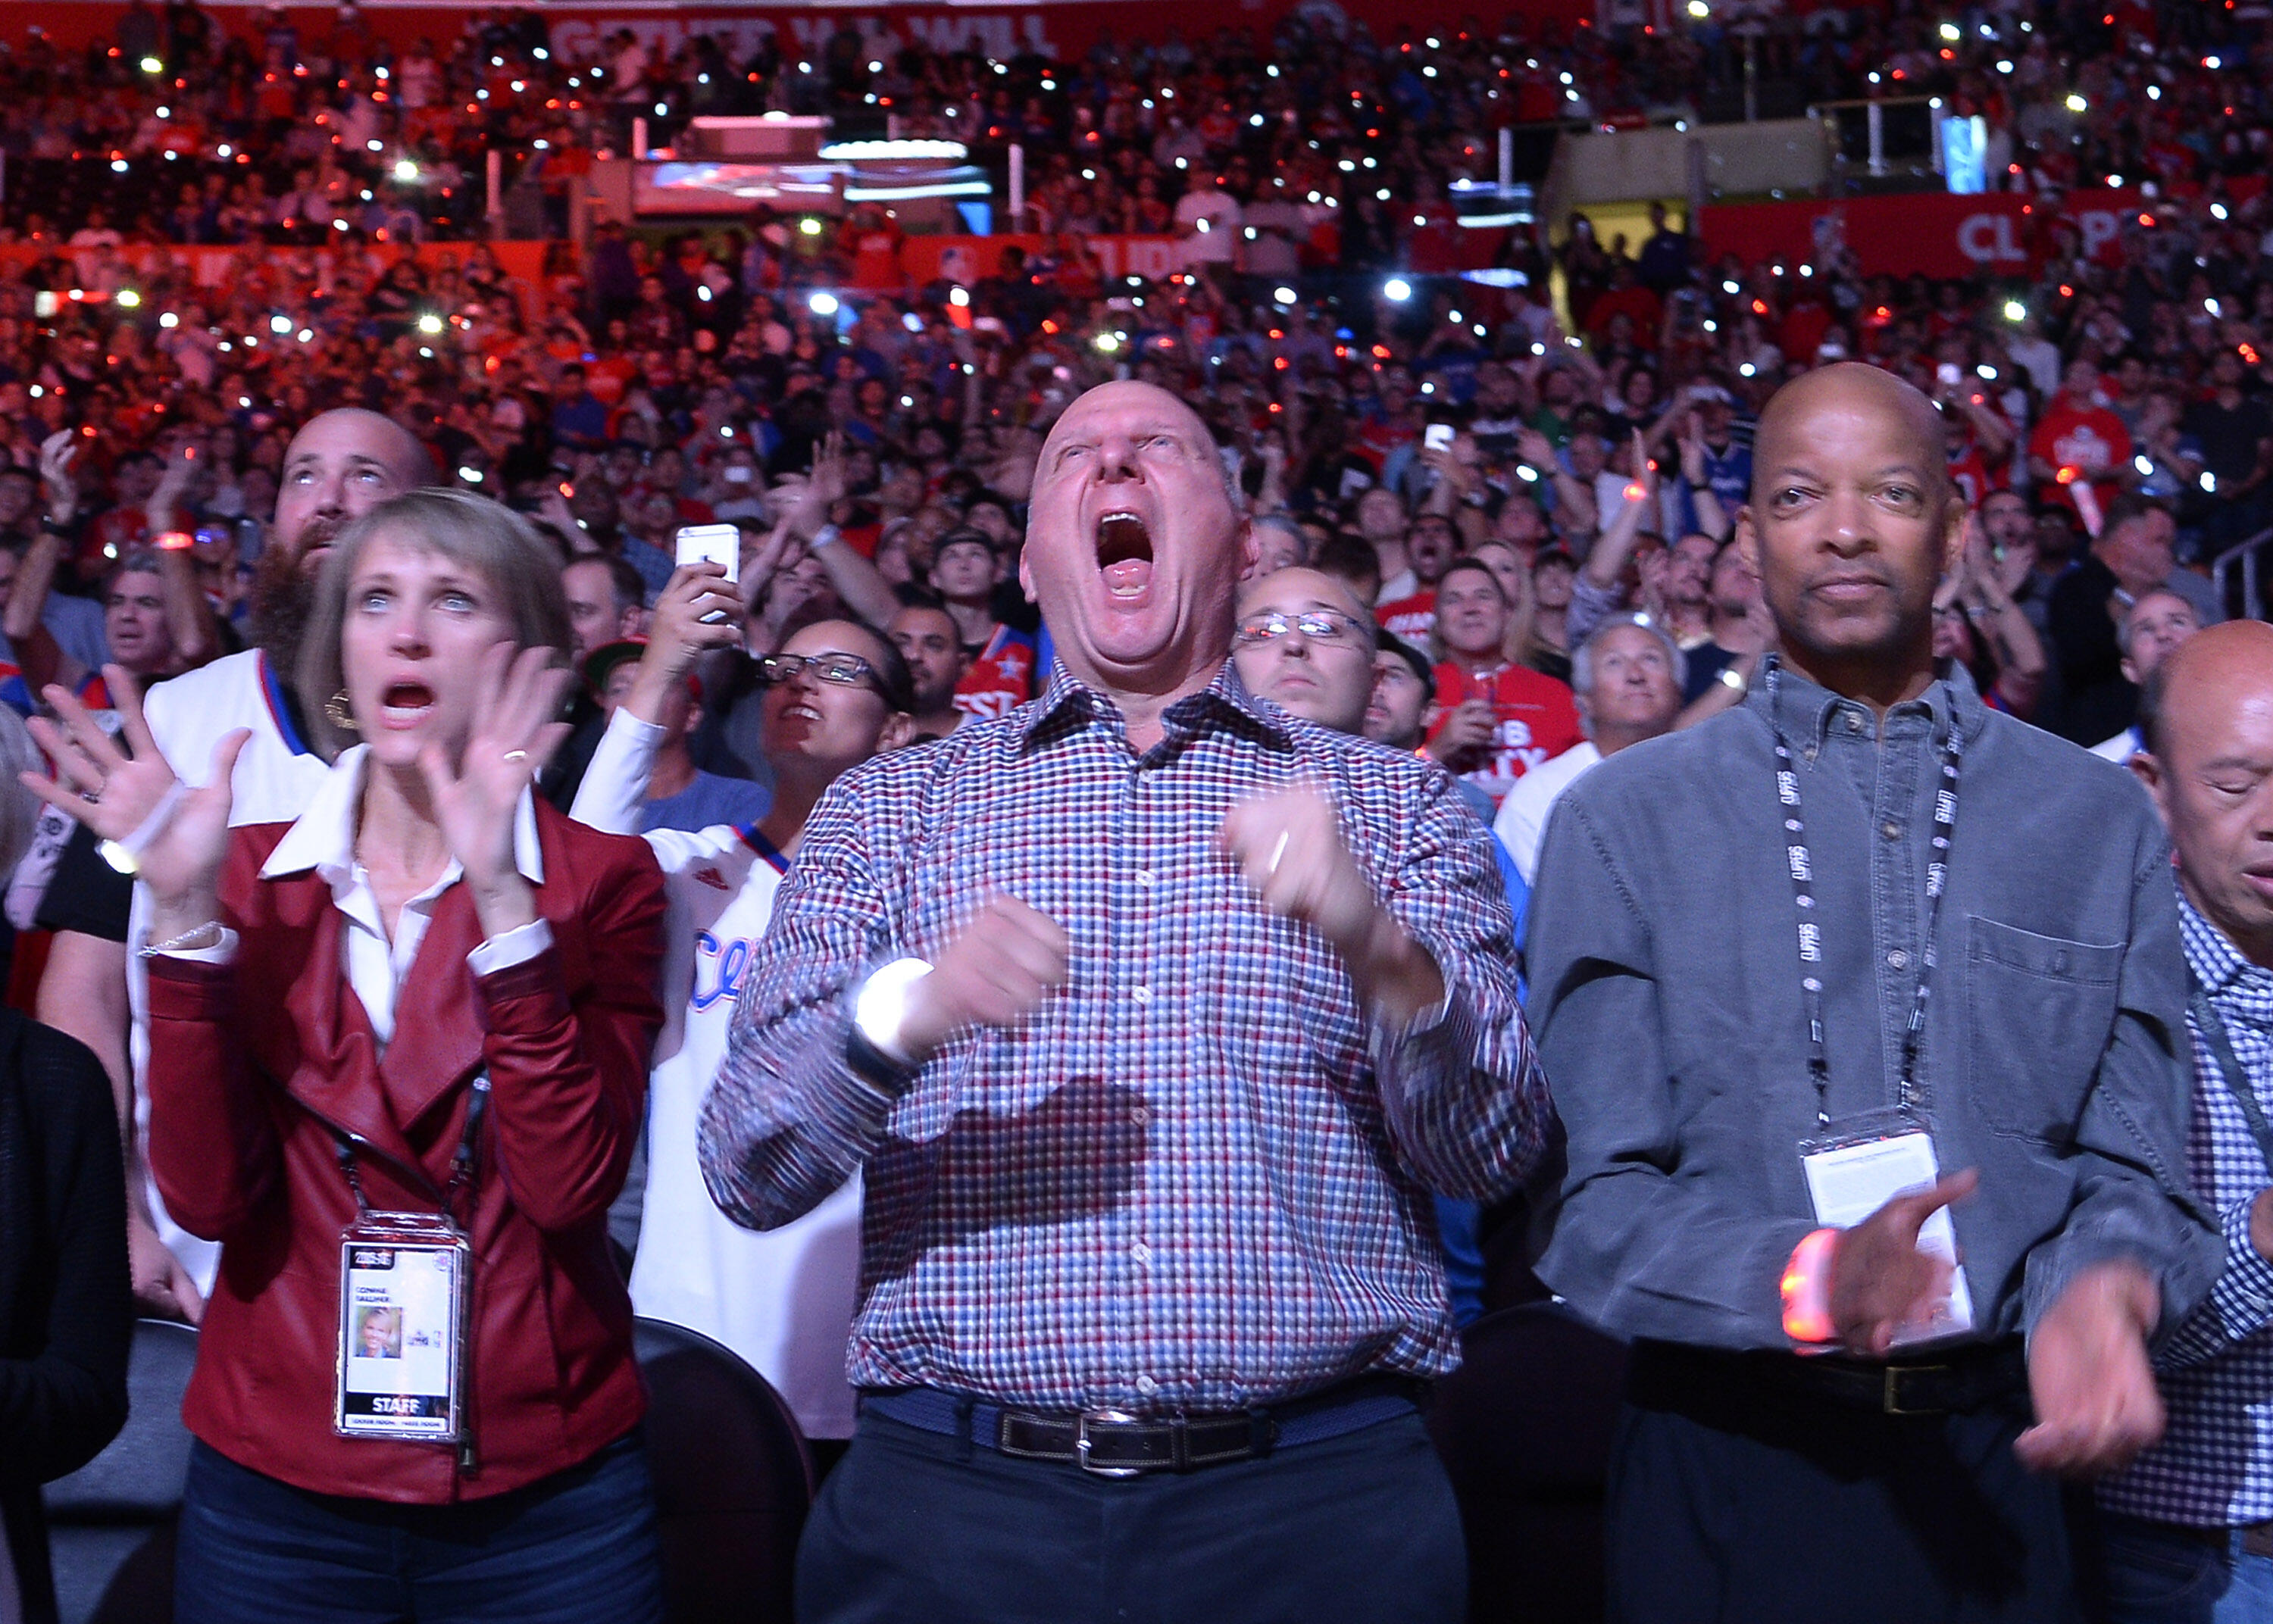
[[1411, 618], [1538, 721], [1001, 679], [2093, 441]]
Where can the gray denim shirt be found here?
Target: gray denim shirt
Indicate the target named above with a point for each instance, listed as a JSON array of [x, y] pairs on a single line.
[[1666, 1006]]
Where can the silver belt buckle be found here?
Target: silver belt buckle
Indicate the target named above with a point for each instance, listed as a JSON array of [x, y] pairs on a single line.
[[1082, 1423]]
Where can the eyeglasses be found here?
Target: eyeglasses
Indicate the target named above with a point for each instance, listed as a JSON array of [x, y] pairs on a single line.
[[845, 670], [1320, 625]]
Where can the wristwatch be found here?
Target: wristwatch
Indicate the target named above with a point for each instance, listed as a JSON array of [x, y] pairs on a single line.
[[881, 1008]]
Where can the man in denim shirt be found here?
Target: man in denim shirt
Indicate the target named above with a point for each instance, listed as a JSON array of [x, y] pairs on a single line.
[[1688, 892]]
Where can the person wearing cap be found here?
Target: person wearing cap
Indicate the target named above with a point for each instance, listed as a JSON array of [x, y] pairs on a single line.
[[679, 794], [1402, 708]]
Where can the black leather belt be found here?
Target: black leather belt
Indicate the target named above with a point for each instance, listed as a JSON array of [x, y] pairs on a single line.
[[1116, 1443], [1962, 1378]]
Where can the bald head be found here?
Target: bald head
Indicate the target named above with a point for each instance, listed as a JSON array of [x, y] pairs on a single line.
[[2194, 690], [1851, 525], [1850, 386], [340, 466], [2207, 715], [1300, 587], [1135, 544], [1323, 672]]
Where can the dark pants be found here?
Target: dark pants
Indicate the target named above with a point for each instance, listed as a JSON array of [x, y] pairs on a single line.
[[1732, 1505], [915, 1527], [578, 1547], [2151, 1573]]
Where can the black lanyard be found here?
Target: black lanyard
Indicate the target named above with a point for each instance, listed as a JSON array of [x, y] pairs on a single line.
[[2206, 1021], [1811, 932], [461, 1162]]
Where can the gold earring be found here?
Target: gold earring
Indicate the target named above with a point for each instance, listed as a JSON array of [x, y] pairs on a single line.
[[336, 712]]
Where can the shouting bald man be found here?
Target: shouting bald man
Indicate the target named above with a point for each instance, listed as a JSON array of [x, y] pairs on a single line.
[[1152, 1014], [2188, 1535], [1861, 1003]]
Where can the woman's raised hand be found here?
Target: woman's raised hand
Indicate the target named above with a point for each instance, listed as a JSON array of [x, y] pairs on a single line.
[[516, 730], [177, 836]]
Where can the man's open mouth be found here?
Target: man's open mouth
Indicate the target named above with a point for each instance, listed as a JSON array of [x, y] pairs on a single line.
[[1124, 553]]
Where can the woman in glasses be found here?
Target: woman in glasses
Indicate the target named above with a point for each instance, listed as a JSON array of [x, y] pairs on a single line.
[[398, 1049], [836, 694]]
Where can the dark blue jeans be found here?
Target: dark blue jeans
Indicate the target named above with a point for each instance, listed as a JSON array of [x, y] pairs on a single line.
[[2153, 1573], [578, 1547], [913, 1527]]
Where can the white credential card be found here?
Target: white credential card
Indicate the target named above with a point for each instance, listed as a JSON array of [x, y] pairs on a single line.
[[1849, 1182], [399, 1365]]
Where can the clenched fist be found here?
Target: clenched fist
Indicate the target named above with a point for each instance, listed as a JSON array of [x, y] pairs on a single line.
[[995, 973]]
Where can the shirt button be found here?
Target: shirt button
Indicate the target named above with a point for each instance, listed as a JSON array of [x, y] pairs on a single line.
[[1898, 959], [1142, 1253], [1854, 723], [1144, 876], [1146, 1385], [1139, 1115], [1143, 995], [1891, 829]]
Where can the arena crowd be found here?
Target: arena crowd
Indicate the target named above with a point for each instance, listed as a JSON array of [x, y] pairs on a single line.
[[1055, 894]]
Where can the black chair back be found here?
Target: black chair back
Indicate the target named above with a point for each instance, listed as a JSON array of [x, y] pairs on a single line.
[[1524, 1427], [110, 1523], [732, 1479]]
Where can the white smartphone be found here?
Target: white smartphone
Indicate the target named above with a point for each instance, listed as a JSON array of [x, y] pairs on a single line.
[[1437, 436], [712, 544]]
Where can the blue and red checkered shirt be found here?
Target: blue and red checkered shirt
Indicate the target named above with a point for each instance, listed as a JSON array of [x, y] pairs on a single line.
[[1198, 1177], [2214, 1467]]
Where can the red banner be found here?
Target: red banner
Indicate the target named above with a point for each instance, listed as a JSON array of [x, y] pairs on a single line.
[[1933, 233], [967, 259], [1060, 29]]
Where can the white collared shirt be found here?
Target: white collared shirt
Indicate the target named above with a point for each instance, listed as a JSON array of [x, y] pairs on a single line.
[[323, 840]]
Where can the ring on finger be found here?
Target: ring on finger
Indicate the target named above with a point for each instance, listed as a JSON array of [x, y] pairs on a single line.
[[516, 755]]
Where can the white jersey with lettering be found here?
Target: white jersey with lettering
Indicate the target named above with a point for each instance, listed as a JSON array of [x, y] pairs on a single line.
[[782, 1299], [277, 773]]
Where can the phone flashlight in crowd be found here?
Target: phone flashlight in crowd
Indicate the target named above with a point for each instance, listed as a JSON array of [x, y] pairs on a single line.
[[1949, 374], [1396, 291], [712, 544], [912, 322]]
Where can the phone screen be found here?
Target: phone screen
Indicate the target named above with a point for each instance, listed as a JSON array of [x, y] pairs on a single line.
[[1438, 436]]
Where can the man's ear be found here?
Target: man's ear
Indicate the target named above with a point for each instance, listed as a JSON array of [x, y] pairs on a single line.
[[898, 729], [1748, 539], [2149, 772]]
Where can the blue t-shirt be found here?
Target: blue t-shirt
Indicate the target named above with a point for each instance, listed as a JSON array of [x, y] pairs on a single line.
[[708, 801]]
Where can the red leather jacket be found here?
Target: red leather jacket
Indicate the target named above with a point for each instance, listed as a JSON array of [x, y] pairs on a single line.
[[252, 1064]]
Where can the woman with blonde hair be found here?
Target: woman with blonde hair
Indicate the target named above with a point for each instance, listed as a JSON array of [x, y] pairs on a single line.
[[399, 1052]]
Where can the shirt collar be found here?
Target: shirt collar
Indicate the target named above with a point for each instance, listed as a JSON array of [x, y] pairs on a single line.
[[323, 837], [2216, 963], [1807, 711], [1067, 702]]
